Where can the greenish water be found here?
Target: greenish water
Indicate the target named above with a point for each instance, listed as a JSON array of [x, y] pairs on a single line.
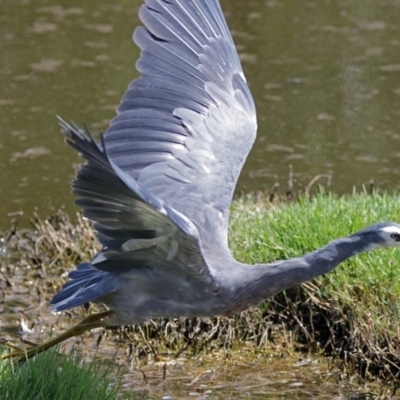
[[325, 76]]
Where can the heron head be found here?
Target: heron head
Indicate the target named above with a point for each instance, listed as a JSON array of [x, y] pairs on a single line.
[[391, 234], [384, 234]]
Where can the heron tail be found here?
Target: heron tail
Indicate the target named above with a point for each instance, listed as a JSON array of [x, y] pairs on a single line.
[[86, 284]]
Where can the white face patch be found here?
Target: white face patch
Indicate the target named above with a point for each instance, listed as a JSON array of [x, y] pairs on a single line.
[[391, 235], [391, 229]]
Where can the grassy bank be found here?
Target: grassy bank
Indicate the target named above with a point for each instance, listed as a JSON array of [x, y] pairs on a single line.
[[351, 313]]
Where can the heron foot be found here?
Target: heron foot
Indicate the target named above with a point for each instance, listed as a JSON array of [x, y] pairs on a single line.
[[92, 321]]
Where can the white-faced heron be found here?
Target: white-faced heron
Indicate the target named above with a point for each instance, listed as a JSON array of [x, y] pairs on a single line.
[[159, 185]]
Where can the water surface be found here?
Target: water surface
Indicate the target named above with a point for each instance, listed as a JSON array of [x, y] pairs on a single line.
[[325, 76]]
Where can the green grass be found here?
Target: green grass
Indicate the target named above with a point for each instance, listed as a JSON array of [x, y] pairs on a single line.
[[362, 292], [51, 376], [261, 232]]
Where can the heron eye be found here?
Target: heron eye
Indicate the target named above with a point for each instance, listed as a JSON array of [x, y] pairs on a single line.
[[395, 236]]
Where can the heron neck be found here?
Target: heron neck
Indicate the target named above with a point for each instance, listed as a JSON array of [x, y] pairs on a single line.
[[321, 261], [263, 281]]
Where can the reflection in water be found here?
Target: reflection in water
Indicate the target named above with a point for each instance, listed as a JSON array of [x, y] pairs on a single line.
[[325, 76]]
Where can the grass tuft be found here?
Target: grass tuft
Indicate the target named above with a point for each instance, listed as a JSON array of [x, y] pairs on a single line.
[[52, 376]]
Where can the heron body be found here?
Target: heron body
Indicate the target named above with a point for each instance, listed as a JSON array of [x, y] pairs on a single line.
[[159, 185]]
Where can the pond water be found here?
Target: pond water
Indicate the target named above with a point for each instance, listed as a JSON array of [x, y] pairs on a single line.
[[240, 377], [325, 76]]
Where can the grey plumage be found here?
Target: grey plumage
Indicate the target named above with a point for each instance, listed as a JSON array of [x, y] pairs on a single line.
[[159, 185]]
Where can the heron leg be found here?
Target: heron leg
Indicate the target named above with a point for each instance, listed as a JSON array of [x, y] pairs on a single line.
[[92, 321]]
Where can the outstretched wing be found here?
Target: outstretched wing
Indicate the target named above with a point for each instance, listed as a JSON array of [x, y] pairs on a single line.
[[136, 228], [186, 126]]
